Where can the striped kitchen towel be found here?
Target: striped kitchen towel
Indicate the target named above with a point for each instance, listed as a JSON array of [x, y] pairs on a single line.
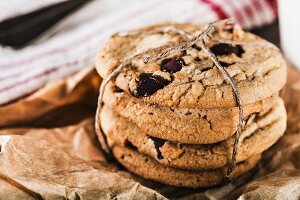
[[73, 45]]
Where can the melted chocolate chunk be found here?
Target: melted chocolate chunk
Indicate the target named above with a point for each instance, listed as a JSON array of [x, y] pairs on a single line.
[[196, 47], [197, 59], [227, 49], [188, 113], [172, 65], [240, 50], [225, 64], [128, 144], [118, 90], [148, 84], [158, 143], [206, 69]]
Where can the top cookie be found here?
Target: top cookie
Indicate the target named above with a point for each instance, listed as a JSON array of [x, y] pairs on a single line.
[[189, 79]]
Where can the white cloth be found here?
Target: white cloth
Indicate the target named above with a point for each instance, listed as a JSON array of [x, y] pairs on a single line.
[[73, 43]]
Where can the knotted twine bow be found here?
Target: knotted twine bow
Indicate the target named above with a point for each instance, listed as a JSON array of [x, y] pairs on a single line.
[[162, 52]]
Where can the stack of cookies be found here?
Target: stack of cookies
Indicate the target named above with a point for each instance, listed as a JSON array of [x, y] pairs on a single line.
[[173, 120]]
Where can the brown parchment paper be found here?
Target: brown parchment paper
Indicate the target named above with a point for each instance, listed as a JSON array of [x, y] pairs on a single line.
[[80, 88], [61, 163], [66, 162]]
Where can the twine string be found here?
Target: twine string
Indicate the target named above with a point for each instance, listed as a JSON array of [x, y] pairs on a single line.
[[239, 104]]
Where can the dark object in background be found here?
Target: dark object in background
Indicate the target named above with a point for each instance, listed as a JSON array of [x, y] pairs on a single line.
[[269, 32], [20, 30]]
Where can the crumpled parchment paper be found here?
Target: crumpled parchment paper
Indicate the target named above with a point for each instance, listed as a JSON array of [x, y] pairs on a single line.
[[61, 163], [66, 162], [80, 88]]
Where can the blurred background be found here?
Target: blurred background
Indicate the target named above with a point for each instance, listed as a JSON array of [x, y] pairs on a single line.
[[43, 41]]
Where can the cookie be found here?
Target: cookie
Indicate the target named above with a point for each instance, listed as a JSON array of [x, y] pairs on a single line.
[[189, 79], [259, 134], [199, 126], [147, 167]]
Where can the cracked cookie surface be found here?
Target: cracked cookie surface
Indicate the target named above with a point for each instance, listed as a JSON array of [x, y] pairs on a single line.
[[189, 79], [200, 126], [148, 168], [261, 131]]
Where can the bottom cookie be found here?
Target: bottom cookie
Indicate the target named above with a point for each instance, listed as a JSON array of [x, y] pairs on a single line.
[[149, 168]]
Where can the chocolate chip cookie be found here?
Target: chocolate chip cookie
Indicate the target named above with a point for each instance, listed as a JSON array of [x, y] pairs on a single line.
[[189, 79], [185, 125], [147, 167]]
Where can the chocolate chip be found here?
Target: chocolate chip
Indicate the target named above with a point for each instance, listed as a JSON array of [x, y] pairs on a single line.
[[227, 49], [225, 64], [118, 90], [197, 59], [240, 50], [206, 69], [158, 143], [130, 145], [172, 65], [196, 47], [148, 83], [188, 113]]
